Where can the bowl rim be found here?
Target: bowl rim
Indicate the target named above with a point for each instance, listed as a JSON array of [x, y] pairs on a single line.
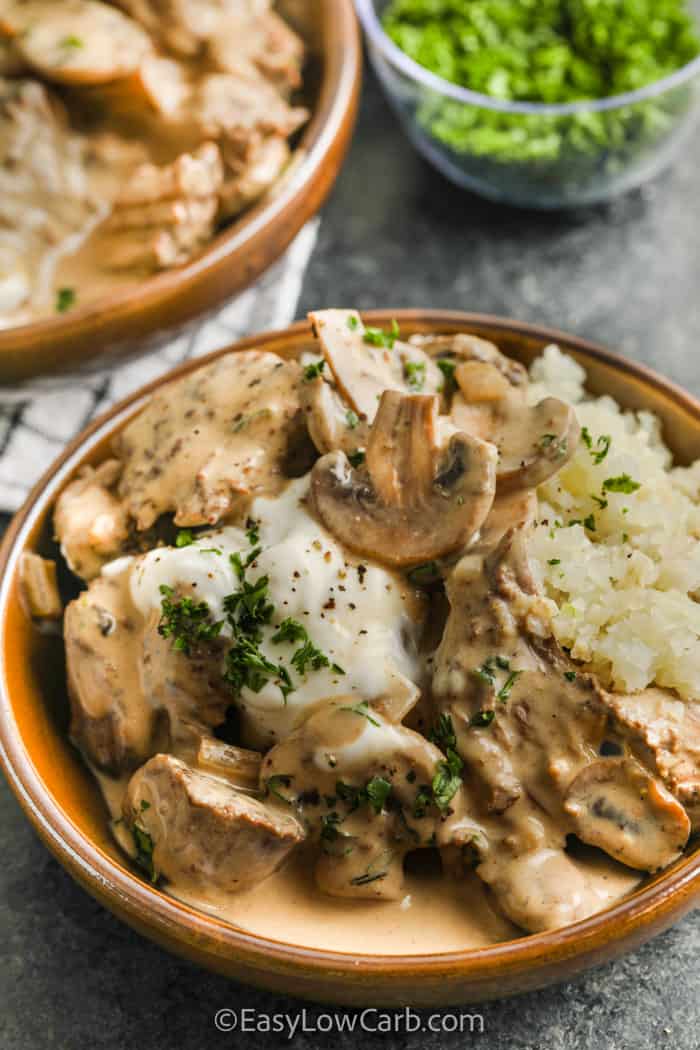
[[659, 902], [336, 99], [380, 40]]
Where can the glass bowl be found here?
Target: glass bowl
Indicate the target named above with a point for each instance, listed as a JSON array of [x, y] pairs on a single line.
[[531, 154]]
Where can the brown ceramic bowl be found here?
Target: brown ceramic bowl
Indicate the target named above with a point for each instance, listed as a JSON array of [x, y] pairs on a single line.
[[147, 316], [63, 803]]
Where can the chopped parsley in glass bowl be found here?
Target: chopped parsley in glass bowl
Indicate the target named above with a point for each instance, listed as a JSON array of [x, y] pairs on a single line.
[[541, 103]]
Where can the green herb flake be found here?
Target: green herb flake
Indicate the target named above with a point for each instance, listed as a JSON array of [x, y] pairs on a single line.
[[414, 374], [187, 622], [363, 709], [184, 538], [482, 719], [377, 791], [72, 42], [380, 337], [448, 369], [589, 523], [357, 458], [143, 844], [570, 676], [352, 419], [313, 371], [622, 483], [353, 322], [603, 447], [65, 299], [277, 781], [554, 561], [424, 575], [505, 691]]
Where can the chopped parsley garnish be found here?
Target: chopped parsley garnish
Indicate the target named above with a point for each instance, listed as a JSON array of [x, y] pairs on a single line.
[[277, 781], [482, 719], [355, 459], [246, 419], [290, 631], [602, 448], [602, 503], [313, 371], [187, 622], [443, 733], [377, 790], [143, 843], [364, 880], [353, 323], [586, 437], [246, 666], [558, 51], [554, 561], [329, 826], [423, 800], [249, 608], [486, 673], [622, 483], [448, 775], [378, 337], [447, 780], [352, 419], [363, 709], [309, 654], [252, 532], [448, 369], [505, 690], [184, 538], [65, 298], [589, 522], [72, 42], [414, 374], [425, 574], [570, 676]]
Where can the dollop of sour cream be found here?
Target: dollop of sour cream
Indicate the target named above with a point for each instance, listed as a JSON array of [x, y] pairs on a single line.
[[359, 615]]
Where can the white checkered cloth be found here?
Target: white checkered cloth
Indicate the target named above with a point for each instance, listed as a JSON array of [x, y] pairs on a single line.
[[39, 417]]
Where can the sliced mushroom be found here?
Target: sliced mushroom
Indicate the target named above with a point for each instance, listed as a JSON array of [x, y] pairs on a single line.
[[462, 347], [238, 765], [362, 370], [618, 806], [411, 501], [533, 442], [76, 41], [364, 788], [208, 443], [39, 587], [112, 722], [89, 522], [196, 829], [332, 425]]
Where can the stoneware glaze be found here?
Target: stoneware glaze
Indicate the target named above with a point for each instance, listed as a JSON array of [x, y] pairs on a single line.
[[162, 306], [63, 803]]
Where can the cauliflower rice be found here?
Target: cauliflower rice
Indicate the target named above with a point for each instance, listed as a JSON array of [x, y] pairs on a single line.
[[617, 543]]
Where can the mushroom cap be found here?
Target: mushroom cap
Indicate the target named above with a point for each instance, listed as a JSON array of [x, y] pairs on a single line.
[[616, 805], [411, 502], [534, 442], [331, 424], [363, 370]]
